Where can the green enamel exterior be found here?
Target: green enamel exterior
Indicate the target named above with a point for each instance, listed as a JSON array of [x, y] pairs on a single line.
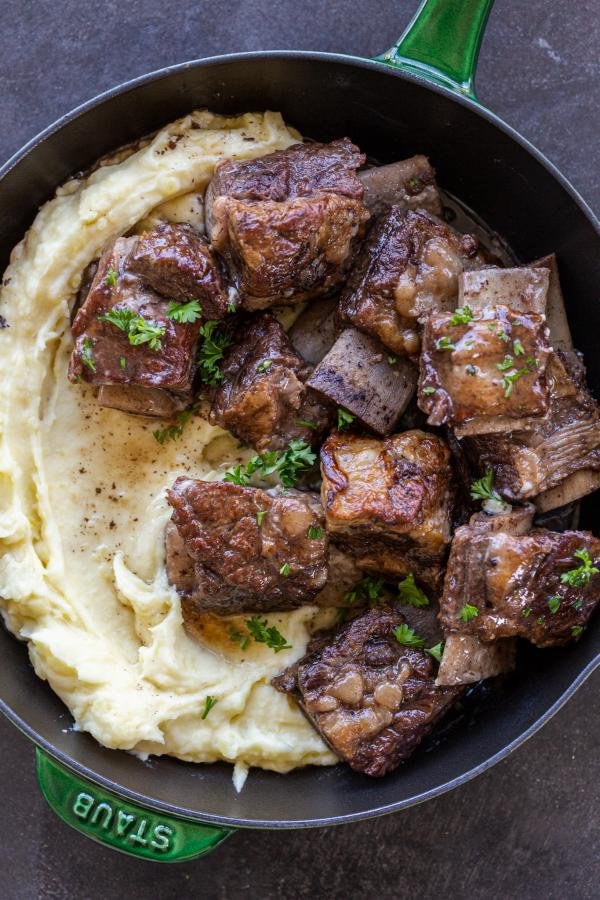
[[124, 826], [442, 43]]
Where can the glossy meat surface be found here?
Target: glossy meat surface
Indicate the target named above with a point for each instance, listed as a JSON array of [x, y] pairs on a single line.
[[263, 399], [486, 375], [558, 445], [177, 262], [359, 375], [288, 223], [407, 268], [227, 558], [389, 502], [111, 358], [514, 582], [371, 698]]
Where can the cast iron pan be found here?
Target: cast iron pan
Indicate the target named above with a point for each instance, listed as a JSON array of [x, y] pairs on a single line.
[[417, 98]]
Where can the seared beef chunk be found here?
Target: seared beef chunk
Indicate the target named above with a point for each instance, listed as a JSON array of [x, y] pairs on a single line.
[[523, 290], [243, 549], [263, 399], [389, 502], [467, 659], [485, 373], [157, 354], [316, 330], [372, 698], [287, 223], [177, 262], [542, 585], [408, 267], [557, 446], [359, 375], [409, 183]]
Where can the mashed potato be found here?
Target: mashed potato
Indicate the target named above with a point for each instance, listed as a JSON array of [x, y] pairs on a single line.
[[82, 492]]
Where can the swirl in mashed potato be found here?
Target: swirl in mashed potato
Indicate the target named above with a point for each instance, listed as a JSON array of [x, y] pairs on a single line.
[[82, 504]]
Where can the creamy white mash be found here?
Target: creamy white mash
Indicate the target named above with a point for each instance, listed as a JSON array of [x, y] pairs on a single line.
[[82, 491]]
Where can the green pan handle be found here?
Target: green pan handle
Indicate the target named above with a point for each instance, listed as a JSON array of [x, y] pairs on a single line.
[[442, 43], [124, 826]]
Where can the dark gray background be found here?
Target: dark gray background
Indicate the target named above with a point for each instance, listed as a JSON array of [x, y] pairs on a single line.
[[528, 828]]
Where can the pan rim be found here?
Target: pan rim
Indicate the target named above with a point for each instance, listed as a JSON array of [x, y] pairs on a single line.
[[227, 821]]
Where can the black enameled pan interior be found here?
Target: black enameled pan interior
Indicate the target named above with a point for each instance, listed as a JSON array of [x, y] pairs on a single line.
[[517, 193]]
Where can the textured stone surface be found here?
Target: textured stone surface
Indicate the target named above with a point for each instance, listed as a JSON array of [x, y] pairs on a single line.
[[529, 827]]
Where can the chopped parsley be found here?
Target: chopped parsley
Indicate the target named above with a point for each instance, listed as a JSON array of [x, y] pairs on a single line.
[[344, 418], [436, 651], [231, 307], [86, 354], [138, 329], [518, 348], [580, 575], [264, 365], [211, 351], [445, 343], [410, 594], [577, 604], [392, 360], [507, 363], [285, 570], [122, 363], [526, 612], [554, 603], [503, 336], [414, 183], [407, 637], [267, 634], [175, 430], [209, 703], [307, 423], [314, 533], [288, 465], [483, 489], [462, 316], [576, 631], [110, 278], [508, 381], [238, 637], [468, 612], [429, 390], [184, 313], [367, 590], [260, 516]]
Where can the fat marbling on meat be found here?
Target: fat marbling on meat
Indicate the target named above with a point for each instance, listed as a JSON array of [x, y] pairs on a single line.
[[389, 502], [288, 223], [263, 398], [233, 549], [371, 698]]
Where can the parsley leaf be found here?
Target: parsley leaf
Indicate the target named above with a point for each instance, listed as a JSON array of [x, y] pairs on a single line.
[[580, 575], [138, 329], [436, 651], [344, 418], [406, 636], [238, 637], [122, 363], [260, 516], [483, 489], [184, 313], [86, 354], [518, 347], [445, 343], [410, 594], [288, 465], [314, 533], [175, 430], [526, 612], [211, 352], [209, 703], [285, 570], [264, 365], [429, 390], [110, 278], [307, 423], [462, 316], [509, 380], [576, 631], [468, 612], [507, 363], [267, 634], [366, 590], [554, 603], [392, 360]]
